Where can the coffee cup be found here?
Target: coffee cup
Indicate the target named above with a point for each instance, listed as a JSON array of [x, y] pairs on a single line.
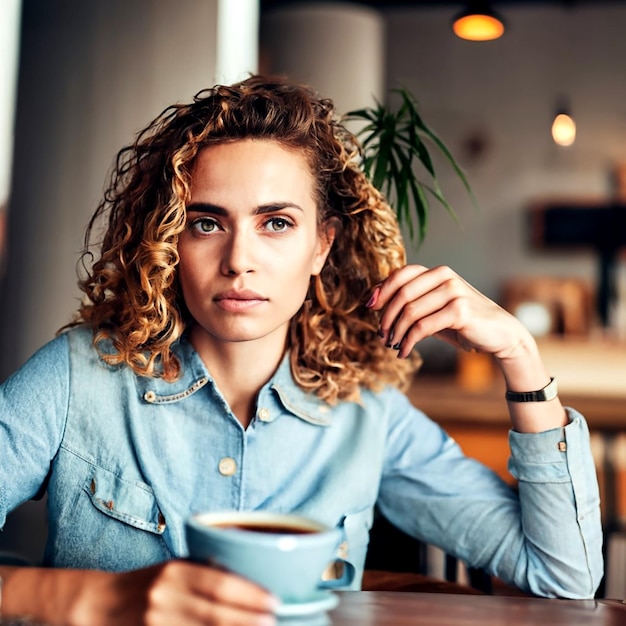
[[286, 554]]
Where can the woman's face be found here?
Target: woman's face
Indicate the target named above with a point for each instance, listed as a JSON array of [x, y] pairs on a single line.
[[251, 242]]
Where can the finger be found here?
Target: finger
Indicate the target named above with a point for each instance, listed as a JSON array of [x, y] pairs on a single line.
[[227, 588], [423, 295], [415, 315], [437, 324], [188, 593], [394, 282], [195, 610]]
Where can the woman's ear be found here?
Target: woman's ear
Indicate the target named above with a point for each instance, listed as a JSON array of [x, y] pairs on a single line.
[[325, 239]]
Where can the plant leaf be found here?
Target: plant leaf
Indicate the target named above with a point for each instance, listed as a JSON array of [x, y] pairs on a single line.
[[391, 142]]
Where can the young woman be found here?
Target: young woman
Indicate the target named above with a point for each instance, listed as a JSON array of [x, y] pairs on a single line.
[[245, 334]]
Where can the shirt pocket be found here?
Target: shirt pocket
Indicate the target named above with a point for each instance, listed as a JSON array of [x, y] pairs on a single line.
[[133, 503]]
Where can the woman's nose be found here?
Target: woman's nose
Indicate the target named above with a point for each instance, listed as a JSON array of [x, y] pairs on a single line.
[[237, 255]]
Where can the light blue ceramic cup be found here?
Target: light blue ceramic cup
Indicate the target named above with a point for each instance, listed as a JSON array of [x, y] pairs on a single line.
[[289, 563]]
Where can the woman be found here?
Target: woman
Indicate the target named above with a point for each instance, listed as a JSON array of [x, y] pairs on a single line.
[[243, 341]]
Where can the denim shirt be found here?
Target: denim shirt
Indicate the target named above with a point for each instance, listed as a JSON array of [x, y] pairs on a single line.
[[126, 459]]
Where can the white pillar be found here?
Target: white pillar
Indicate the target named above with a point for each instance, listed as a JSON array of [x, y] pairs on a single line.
[[338, 48], [237, 40], [9, 45]]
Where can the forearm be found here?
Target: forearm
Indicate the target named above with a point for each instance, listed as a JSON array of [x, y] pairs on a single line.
[[53, 596], [524, 370]]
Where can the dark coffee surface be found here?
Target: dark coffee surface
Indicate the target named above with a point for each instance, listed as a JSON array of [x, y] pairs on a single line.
[[273, 529]]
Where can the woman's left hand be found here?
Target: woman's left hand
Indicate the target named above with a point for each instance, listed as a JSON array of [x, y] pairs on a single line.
[[418, 302]]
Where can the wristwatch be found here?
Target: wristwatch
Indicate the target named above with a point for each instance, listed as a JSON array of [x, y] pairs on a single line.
[[549, 392]]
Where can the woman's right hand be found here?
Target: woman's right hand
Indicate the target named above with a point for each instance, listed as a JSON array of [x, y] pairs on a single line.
[[176, 592]]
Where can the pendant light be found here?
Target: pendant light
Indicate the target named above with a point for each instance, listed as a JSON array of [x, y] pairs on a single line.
[[479, 22], [563, 126]]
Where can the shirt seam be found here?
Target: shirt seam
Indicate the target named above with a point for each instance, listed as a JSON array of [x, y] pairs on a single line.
[[68, 386]]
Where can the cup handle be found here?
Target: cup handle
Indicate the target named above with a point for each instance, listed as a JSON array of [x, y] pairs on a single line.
[[344, 580]]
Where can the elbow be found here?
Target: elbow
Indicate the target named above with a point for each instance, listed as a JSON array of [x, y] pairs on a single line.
[[566, 582]]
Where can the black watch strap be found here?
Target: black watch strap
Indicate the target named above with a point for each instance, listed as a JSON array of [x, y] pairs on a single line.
[[549, 392]]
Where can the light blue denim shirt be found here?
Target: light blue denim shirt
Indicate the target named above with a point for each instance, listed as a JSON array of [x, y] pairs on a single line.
[[127, 459]]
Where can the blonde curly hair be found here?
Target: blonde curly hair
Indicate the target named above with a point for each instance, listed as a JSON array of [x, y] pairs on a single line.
[[132, 294]]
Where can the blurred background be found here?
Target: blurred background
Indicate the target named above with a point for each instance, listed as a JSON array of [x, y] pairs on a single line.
[[546, 241]]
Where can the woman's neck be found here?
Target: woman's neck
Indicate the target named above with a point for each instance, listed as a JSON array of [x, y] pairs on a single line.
[[239, 369]]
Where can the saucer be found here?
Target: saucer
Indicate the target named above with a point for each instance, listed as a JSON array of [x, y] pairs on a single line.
[[322, 601]]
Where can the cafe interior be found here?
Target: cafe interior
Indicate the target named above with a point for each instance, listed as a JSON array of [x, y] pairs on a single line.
[[534, 113]]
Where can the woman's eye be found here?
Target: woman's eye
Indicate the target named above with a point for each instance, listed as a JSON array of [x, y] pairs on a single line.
[[204, 225], [278, 224]]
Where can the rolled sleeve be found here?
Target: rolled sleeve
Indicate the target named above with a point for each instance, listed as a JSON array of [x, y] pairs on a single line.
[[557, 477]]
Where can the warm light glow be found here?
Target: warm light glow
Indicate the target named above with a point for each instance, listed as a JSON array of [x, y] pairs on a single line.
[[478, 27], [563, 130]]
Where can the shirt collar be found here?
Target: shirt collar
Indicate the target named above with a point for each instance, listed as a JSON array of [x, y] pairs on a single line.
[[194, 375], [305, 405]]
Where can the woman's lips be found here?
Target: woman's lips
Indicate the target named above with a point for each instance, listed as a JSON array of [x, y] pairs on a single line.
[[236, 301]]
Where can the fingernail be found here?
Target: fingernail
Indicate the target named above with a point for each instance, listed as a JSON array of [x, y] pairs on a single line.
[[373, 298], [381, 333], [396, 346]]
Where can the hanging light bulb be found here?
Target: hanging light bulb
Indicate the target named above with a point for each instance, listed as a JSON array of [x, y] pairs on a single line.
[[479, 22], [563, 127]]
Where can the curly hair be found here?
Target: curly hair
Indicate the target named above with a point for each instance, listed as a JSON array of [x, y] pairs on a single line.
[[132, 294]]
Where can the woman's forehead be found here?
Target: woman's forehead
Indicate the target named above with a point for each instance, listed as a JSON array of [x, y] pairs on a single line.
[[260, 171]]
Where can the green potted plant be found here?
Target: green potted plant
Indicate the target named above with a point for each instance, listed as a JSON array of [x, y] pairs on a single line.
[[393, 142]]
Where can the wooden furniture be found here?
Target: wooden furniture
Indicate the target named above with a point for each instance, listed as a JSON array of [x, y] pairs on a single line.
[[388, 608], [568, 301]]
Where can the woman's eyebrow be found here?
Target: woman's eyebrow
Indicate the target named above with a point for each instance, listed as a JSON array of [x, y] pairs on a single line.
[[277, 206], [214, 209], [207, 207]]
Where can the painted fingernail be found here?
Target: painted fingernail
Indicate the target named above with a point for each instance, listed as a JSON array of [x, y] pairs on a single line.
[[373, 298], [381, 333], [396, 346]]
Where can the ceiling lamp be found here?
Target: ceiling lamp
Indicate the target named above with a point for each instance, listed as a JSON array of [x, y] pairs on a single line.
[[479, 22], [563, 127]]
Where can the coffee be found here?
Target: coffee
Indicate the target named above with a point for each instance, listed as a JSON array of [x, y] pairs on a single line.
[[274, 529]]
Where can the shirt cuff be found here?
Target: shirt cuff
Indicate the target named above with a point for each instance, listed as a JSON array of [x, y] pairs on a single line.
[[543, 457]]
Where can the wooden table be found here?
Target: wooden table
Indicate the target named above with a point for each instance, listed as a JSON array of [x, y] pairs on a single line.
[[388, 608]]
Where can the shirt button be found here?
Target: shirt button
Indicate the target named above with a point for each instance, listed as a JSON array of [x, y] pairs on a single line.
[[227, 466], [264, 414]]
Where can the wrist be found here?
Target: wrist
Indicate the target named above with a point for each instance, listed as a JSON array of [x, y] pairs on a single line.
[[523, 368]]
